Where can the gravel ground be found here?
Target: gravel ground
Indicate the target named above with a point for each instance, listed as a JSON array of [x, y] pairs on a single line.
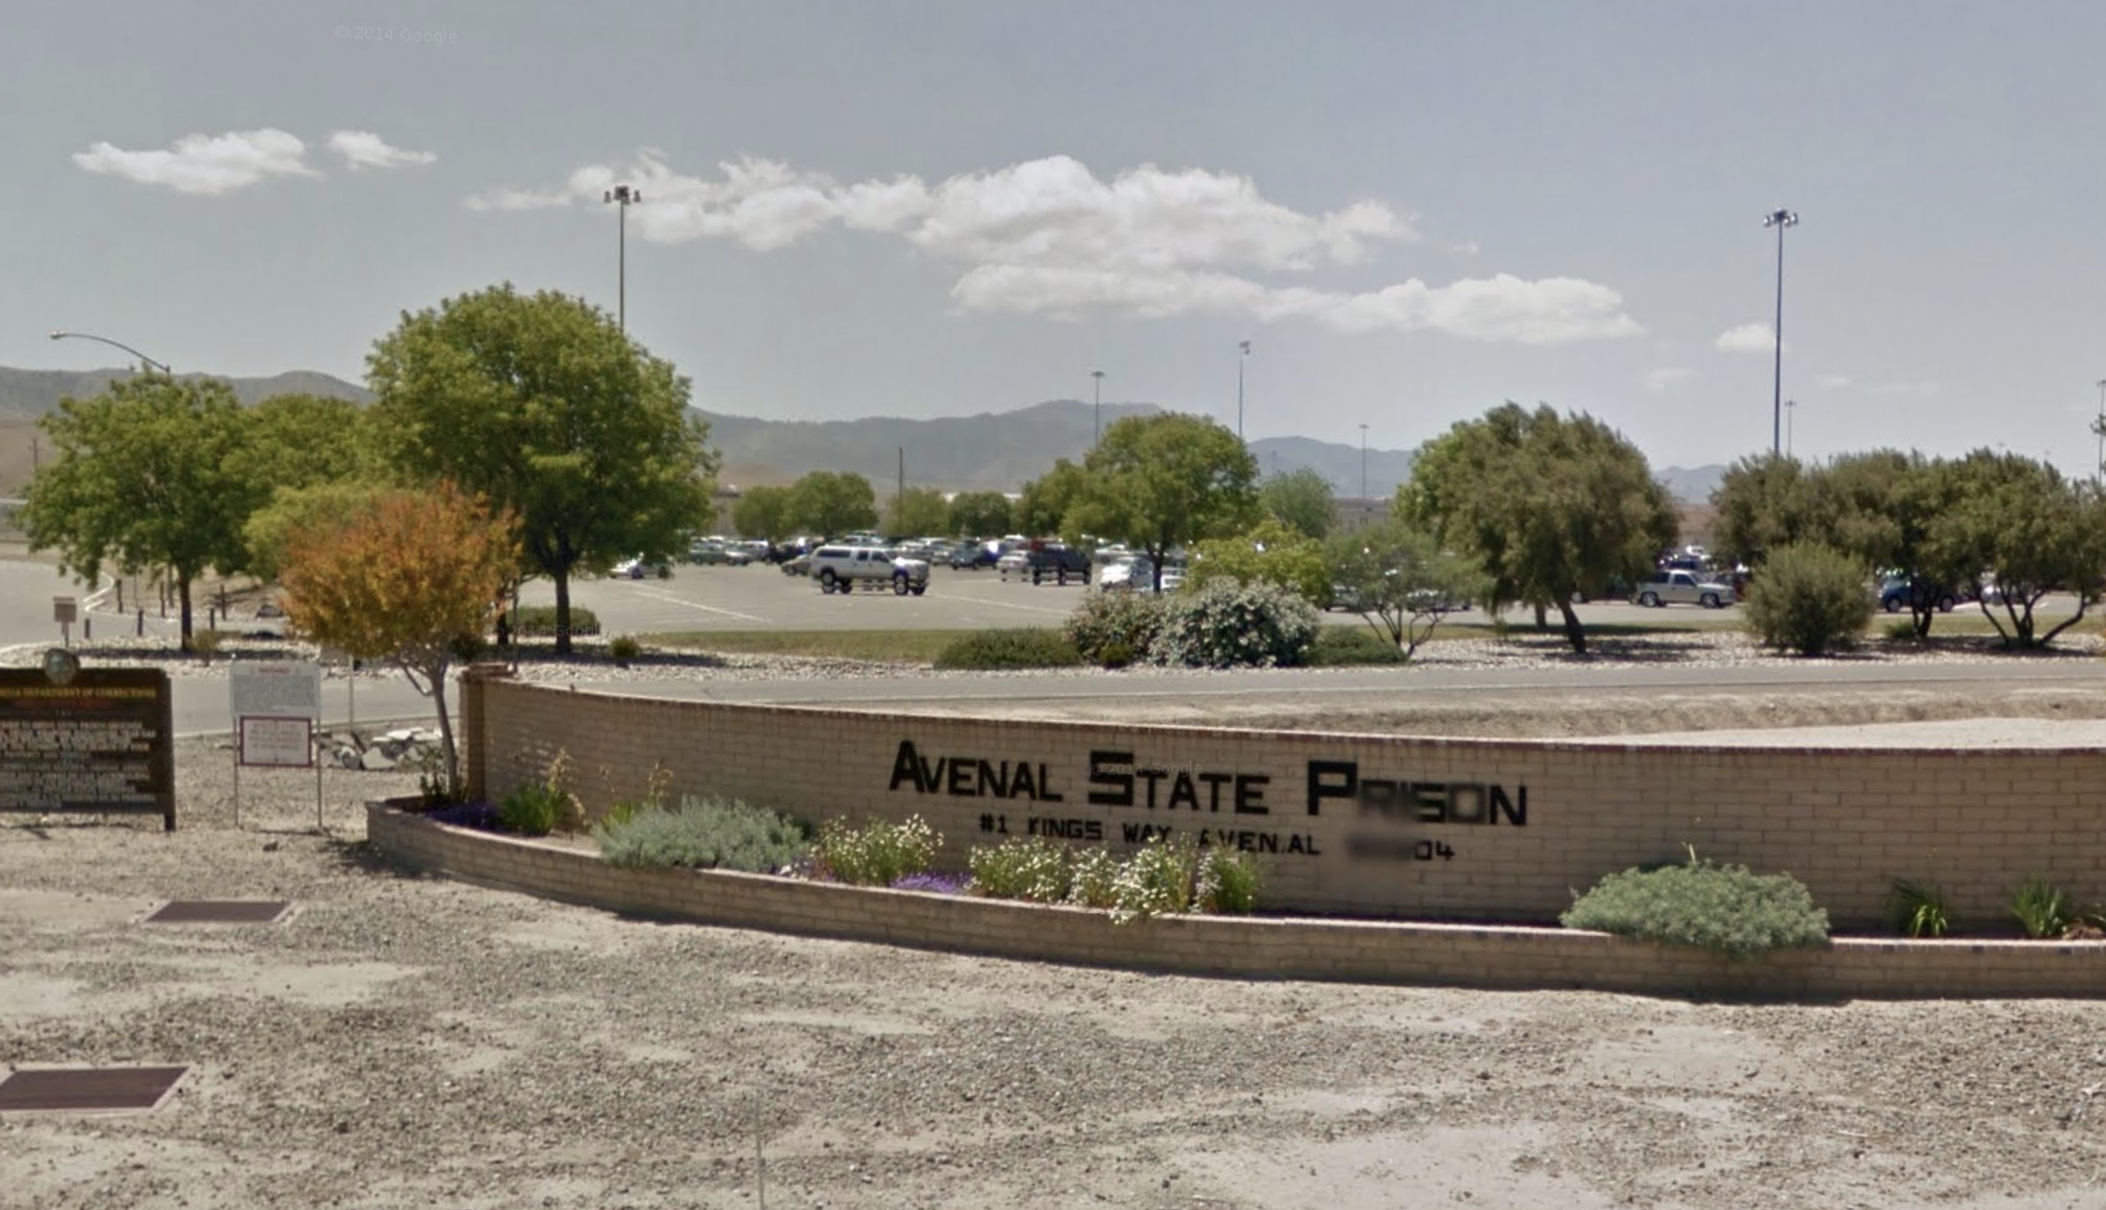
[[404, 1041]]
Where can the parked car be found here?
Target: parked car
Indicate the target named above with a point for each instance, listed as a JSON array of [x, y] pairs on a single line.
[[719, 553], [1128, 573], [974, 556], [1894, 595], [1014, 563], [1676, 586], [639, 568], [841, 568], [1059, 562]]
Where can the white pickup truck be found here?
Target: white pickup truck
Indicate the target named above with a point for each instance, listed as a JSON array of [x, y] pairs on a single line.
[[1677, 587], [841, 568]]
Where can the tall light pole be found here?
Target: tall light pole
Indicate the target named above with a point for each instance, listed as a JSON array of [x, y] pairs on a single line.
[[1791, 408], [1097, 401], [1244, 357], [1363, 465], [1780, 219], [623, 195], [144, 360]]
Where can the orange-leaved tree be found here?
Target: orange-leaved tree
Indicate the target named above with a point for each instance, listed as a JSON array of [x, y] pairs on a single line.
[[403, 578]]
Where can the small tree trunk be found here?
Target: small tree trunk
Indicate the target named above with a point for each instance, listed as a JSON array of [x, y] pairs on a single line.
[[562, 579], [1543, 616], [449, 755], [1575, 634], [183, 597]]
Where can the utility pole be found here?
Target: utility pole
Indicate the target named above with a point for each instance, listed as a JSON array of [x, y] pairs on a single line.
[[1239, 388], [1097, 401], [1363, 465], [2099, 427], [1791, 406]]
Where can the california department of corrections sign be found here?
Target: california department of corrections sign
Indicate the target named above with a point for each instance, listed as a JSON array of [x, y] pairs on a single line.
[[87, 740]]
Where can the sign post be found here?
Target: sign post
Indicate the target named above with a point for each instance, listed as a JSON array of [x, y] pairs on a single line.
[[277, 705], [65, 611]]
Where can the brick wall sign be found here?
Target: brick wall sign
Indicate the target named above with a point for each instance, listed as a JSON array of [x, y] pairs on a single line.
[[1358, 824], [89, 740]]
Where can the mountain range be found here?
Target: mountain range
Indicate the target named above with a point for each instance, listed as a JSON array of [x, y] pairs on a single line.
[[998, 451]]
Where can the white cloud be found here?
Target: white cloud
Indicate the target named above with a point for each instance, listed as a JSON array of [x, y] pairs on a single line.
[[1666, 378], [1748, 338], [1049, 237], [1832, 382], [364, 149], [204, 164], [1466, 248]]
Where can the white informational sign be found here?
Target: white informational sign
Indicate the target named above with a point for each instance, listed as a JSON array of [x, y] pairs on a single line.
[[282, 743], [270, 698]]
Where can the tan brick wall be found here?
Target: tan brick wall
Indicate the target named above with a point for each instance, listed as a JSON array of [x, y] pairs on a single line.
[[1356, 951], [1846, 822]]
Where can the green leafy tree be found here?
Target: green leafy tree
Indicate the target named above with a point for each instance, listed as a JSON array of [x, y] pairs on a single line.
[[543, 405], [831, 504], [979, 515], [1302, 500], [2029, 531], [1548, 504], [1272, 553], [300, 440], [1879, 507], [1399, 580], [917, 511], [1158, 482], [147, 474], [1043, 509], [269, 530], [763, 512], [403, 578], [1764, 502]]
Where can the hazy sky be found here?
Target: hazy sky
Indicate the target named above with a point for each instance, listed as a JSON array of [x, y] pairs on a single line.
[[1413, 211]]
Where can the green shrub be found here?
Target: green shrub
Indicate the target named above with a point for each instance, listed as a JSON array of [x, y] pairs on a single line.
[[1227, 882], [703, 834], [624, 648], [1900, 630], [1227, 624], [1093, 878], [539, 621], [2042, 908], [1106, 621], [468, 648], [533, 809], [1035, 868], [1918, 910], [1157, 879], [205, 643], [1116, 655], [1810, 599], [877, 854], [1724, 909], [1339, 646], [1024, 647]]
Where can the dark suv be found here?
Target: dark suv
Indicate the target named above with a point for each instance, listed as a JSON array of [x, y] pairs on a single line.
[[1060, 562]]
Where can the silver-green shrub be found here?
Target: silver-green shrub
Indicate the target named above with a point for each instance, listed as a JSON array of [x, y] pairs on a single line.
[[1721, 908], [1109, 624], [1229, 624], [1810, 599], [704, 834]]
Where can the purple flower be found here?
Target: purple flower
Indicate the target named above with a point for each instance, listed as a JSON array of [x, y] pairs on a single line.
[[935, 884]]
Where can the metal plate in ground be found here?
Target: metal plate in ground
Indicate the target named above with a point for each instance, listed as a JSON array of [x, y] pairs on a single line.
[[221, 911], [88, 1089]]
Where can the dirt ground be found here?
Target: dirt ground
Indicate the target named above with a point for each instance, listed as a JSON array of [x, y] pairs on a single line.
[[405, 1041]]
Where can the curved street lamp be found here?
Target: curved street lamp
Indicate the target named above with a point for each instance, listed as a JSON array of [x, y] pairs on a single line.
[[149, 362]]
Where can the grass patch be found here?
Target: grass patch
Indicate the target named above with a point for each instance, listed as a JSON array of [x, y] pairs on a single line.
[[1022, 648], [886, 646], [1352, 646]]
